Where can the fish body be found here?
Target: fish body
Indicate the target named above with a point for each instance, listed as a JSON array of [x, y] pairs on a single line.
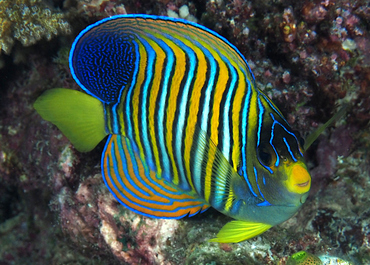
[[188, 129]]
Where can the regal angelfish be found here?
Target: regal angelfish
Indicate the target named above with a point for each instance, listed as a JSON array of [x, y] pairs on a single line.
[[188, 129]]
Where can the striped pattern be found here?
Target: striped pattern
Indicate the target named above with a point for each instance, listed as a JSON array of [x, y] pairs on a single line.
[[180, 100], [150, 193]]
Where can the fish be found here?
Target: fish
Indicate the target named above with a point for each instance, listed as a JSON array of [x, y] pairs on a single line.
[[306, 258], [187, 127], [303, 258]]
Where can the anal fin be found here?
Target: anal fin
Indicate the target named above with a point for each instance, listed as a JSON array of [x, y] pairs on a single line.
[[135, 185], [236, 231]]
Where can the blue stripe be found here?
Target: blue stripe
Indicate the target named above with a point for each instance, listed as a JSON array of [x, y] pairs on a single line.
[[207, 99], [286, 130], [288, 146], [162, 103], [182, 111], [130, 91], [226, 113], [260, 120], [264, 203], [269, 169], [244, 136], [277, 162], [148, 81], [272, 137], [114, 119]]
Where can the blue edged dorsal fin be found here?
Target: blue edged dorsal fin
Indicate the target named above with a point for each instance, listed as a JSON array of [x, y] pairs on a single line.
[[132, 182], [102, 60]]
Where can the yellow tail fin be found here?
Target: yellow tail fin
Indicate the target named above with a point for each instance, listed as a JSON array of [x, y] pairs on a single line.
[[236, 231], [79, 116]]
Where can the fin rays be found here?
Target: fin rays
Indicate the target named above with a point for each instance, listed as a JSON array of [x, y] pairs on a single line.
[[221, 170], [236, 231]]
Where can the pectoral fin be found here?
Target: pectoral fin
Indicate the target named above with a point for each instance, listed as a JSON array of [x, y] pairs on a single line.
[[236, 231], [217, 172]]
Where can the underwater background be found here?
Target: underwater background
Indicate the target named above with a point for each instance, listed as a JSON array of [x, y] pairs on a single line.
[[309, 57]]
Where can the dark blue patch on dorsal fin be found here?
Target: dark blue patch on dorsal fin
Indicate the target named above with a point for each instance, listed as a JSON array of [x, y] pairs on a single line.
[[102, 60]]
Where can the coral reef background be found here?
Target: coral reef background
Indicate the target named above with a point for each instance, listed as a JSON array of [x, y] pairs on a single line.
[[310, 57]]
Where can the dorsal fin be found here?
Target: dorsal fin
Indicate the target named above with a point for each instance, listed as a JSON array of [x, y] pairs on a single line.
[[135, 185]]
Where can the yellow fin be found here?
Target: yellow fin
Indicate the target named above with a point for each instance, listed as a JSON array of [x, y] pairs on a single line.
[[79, 116], [236, 231]]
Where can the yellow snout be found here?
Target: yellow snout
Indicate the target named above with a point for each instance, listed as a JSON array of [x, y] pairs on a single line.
[[299, 180]]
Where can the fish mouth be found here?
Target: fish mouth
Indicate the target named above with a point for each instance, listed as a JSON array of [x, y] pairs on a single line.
[[303, 184], [299, 180]]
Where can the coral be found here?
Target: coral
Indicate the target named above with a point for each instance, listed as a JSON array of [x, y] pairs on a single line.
[[183, 12], [28, 21], [288, 26], [314, 12], [100, 8]]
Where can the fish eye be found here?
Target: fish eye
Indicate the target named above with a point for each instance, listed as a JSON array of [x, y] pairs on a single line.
[[264, 156]]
